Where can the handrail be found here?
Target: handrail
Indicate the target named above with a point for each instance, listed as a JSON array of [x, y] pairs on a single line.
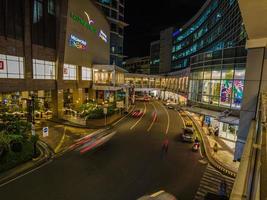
[[251, 181]]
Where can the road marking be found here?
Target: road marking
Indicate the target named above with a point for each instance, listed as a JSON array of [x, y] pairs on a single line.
[[124, 116], [154, 118], [61, 141], [181, 118], [168, 117], [139, 119], [20, 176]]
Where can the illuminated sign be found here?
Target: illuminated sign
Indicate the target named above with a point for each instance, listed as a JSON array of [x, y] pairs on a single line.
[[77, 42], [89, 25], [103, 36], [1, 65], [83, 22], [90, 21]]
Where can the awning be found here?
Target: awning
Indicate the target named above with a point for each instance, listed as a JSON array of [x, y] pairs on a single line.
[[218, 115]]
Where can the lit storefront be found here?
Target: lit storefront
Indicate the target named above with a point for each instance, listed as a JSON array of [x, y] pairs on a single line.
[[221, 86]]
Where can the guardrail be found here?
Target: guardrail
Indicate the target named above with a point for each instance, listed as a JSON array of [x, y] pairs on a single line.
[[251, 180]]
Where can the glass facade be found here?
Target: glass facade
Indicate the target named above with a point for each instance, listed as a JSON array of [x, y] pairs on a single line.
[[69, 72], [218, 26], [219, 85], [43, 69], [87, 74], [11, 67], [44, 18]]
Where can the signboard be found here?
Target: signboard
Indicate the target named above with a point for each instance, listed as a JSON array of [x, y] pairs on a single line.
[[105, 110], [65, 70], [78, 43], [120, 104], [2, 65], [45, 132]]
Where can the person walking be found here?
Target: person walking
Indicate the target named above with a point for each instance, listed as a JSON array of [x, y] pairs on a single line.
[[165, 146]]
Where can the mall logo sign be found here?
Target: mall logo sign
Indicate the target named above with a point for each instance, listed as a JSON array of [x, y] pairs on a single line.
[[78, 43], [103, 36], [89, 25], [1, 65]]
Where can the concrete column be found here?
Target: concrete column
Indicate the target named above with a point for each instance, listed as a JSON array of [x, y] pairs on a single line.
[[78, 97], [57, 103], [255, 83], [92, 94], [27, 41], [24, 95]]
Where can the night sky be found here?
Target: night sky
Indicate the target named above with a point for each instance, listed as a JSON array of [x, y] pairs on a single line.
[[148, 17]]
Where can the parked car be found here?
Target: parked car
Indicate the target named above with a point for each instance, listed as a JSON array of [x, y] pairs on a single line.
[[188, 134], [161, 195]]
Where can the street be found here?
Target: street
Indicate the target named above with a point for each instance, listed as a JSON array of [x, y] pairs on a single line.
[[129, 166]]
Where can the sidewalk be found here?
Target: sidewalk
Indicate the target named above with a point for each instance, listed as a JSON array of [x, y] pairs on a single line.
[[223, 159]]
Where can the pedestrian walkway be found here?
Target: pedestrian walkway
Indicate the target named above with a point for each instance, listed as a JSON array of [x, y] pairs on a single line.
[[211, 181], [225, 154]]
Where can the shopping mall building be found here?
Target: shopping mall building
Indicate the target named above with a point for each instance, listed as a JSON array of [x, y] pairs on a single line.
[[49, 49], [208, 67]]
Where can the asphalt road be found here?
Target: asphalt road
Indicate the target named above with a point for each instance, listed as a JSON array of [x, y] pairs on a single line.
[[128, 166]]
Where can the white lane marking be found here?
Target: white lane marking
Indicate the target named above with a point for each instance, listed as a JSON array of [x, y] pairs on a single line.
[[181, 118], [168, 117], [124, 116], [61, 141], [139, 118], [20, 176], [154, 118]]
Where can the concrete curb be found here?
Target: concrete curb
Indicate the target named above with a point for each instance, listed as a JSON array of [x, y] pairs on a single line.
[[45, 156], [214, 162]]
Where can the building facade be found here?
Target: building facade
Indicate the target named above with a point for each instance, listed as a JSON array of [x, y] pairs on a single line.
[[139, 65], [217, 25], [114, 10], [55, 65], [154, 57]]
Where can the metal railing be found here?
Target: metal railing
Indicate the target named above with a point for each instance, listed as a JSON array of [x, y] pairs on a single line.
[[251, 180]]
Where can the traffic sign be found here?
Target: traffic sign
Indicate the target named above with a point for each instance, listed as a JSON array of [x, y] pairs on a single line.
[[45, 131], [105, 110]]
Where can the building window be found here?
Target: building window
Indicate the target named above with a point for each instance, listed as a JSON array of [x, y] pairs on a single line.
[[43, 69], [37, 10], [51, 7], [86, 74], [11, 67], [69, 72]]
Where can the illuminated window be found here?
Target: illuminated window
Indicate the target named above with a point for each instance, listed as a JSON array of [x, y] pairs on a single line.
[[11, 67], [43, 69], [69, 72], [86, 74], [37, 10]]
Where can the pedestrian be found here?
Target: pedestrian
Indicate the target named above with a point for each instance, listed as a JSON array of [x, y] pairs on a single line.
[[223, 188], [165, 145]]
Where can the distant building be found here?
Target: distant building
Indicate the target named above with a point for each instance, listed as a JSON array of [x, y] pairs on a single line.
[[154, 57], [139, 65], [114, 10]]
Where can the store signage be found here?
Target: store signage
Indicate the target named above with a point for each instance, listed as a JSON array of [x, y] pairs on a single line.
[[103, 36], [90, 21], [78, 43], [2, 65], [65, 70], [89, 25], [83, 22]]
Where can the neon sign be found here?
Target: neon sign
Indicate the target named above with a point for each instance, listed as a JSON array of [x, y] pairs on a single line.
[[103, 36], [90, 21], [89, 25], [83, 22], [77, 42]]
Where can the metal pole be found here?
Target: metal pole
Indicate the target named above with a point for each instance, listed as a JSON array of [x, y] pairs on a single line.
[[105, 120]]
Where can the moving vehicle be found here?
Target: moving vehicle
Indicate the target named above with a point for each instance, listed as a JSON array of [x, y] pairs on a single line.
[[161, 195], [188, 134], [137, 113], [195, 146]]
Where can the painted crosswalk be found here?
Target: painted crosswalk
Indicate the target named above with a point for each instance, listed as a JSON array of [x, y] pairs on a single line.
[[211, 181]]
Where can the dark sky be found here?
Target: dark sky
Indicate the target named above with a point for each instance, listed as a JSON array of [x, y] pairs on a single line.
[[147, 17]]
